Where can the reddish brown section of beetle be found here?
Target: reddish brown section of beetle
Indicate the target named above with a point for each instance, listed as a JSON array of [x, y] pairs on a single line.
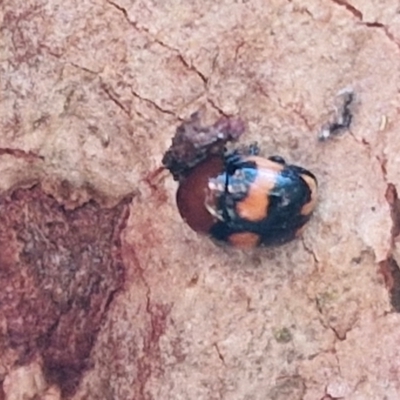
[[59, 271], [244, 240], [191, 194], [309, 207], [255, 205]]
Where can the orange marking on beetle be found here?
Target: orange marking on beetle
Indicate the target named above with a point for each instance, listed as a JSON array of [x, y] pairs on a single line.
[[254, 207], [308, 208], [244, 240]]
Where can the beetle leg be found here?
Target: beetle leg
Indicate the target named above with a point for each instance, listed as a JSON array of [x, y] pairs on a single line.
[[277, 159], [253, 149], [232, 161]]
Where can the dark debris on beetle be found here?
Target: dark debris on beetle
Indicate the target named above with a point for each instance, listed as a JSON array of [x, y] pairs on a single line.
[[194, 142]]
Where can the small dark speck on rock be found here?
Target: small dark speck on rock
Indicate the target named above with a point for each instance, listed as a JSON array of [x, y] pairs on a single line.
[[283, 335]]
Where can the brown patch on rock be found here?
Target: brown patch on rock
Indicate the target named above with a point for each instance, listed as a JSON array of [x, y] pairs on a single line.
[[394, 203], [389, 268], [59, 271], [290, 387], [149, 365], [391, 274]]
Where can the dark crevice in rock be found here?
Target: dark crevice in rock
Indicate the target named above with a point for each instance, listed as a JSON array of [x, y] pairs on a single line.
[[391, 273], [394, 203], [353, 10], [28, 156], [389, 268]]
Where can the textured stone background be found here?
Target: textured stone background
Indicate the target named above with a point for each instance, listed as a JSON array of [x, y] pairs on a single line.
[[91, 92]]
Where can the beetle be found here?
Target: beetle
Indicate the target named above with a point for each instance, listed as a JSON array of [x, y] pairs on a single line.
[[247, 200]]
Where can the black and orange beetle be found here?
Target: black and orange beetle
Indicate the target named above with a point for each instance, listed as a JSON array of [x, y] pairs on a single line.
[[244, 199]]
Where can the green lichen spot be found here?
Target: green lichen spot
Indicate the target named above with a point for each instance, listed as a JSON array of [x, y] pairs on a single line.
[[283, 335]]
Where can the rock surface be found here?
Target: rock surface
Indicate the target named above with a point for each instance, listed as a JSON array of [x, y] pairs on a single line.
[[90, 95]]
